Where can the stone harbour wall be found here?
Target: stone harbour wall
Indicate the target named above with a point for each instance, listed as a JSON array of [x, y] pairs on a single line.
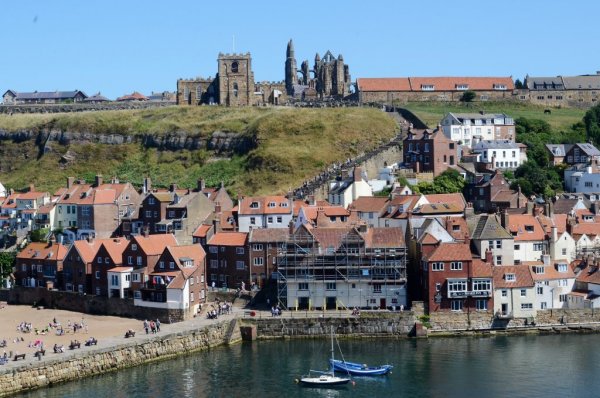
[[104, 360]]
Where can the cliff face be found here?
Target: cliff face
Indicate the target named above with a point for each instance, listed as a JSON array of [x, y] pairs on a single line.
[[219, 141]]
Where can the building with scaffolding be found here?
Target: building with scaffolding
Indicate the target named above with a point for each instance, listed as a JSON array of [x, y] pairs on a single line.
[[342, 267]]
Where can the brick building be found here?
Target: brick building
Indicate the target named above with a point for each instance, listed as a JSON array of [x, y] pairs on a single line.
[[227, 259], [264, 245], [429, 151], [108, 257], [40, 265]]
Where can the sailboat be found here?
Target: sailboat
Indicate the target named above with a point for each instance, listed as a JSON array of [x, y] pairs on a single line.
[[316, 378]]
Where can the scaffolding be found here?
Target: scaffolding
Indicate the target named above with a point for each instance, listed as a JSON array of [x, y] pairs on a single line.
[[304, 261]]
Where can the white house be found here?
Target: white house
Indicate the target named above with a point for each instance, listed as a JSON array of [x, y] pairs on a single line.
[[264, 212], [3, 191], [514, 293], [563, 246], [348, 190], [582, 178], [553, 283], [119, 279], [468, 128], [501, 154], [530, 238]]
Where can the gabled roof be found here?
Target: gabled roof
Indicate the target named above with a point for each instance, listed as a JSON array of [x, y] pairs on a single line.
[[87, 250], [452, 83], [589, 274], [384, 238], [588, 149], [43, 251], [584, 82], [266, 235], [494, 144], [558, 149], [525, 227], [44, 95], [228, 239], [383, 84], [481, 269], [155, 244], [32, 195], [201, 231], [486, 227], [438, 208], [135, 96], [194, 252], [522, 276], [115, 248], [451, 252], [369, 204], [590, 229], [274, 204], [456, 198]]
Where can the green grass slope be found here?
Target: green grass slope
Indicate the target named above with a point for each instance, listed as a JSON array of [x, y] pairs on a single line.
[[292, 145]]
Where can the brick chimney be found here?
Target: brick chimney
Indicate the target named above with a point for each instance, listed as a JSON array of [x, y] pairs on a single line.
[[70, 182], [173, 187], [147, 185], [217, 207], [489, 258], [201, 184], [98, 180], [31, 188]]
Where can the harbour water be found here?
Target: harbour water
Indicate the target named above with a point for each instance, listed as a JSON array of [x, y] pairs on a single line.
[[515, 366]]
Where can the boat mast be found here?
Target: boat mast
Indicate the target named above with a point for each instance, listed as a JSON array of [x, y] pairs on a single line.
[[332, 353]]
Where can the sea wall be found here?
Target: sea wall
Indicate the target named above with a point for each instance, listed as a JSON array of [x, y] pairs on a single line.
[[98, 361], [385, 324]]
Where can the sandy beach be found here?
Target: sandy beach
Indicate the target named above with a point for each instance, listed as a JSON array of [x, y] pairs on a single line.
[[97, 326]]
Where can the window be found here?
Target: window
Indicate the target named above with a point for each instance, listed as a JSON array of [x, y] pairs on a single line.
[[171, 265], [523, 293], [213, 249], [161, 265], [148, 213], [481, 305], [427, 87], [526, 306], [106, 261], [235, 89], [222, 249], [377, 288], [457, 286], [491, 244], [539, 290], [136, 277], [510, 277], [482, 285], [438, 287], [562, 267], [498, 260], [456, 266], [517, 247], [504, 293], [114, 280], [426, 147], [99, 260], [133, 247], [562, 282], [279, 219], [456, 305], [240, 265], [538, 247], [252, 220], [139, 260], [330, 286], [129, 260], [270, 220], [498, 244], [303, 286], [234, 67], [214, 264], [437, 266], [97, 274], [562, 298], [462, 87], [257, 247], [258, 261], [239, 250]]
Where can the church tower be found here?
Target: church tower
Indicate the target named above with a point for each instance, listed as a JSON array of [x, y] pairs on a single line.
[[291, 71]]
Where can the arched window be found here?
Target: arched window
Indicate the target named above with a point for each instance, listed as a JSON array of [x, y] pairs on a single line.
[[234, 67], [198, 93], [235, 89]]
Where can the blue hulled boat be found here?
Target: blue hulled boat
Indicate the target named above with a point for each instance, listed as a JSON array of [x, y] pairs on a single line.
[[358, 369]]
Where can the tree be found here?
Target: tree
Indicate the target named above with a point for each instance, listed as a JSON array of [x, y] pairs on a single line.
[[468, 96], [519, 84], [592, 124], [7, 263], [39, 235], [450, 181]]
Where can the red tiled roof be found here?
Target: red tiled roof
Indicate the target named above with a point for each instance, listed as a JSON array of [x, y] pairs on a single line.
[[32, 195], [589, 275], [551, 272], [281, 205], [120, 269], [517, 227], [369, 204], [228, 239], [588, 228], [201, 231], [456, 198], [451, 83], [522, 276], [115, 248], [383, 84], [451, 252], [155, 244], [266, 235], [384, 238], [42, 250], [428, 239], [87, 250], [195, 252], [481, 269]]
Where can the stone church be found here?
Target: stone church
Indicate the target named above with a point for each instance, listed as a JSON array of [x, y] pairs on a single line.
[[234, 83]]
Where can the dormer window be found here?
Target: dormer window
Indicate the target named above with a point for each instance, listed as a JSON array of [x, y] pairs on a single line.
[[427, 87], [529, 228], [510, 277], [539, 269], [283, 204], [499, 86], [562, 267], [462, 87], [271, 204], [254, 205]]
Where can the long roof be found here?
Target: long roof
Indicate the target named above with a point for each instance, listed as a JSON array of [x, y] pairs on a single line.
[[43, 95], [438, 83], [451, 252], [228, 239], [42, 250]]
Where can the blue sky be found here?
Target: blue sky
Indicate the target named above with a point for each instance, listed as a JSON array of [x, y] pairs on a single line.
[[118, 46]]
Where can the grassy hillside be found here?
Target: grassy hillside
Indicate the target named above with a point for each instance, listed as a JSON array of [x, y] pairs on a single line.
[[560, 118], [293, 145]]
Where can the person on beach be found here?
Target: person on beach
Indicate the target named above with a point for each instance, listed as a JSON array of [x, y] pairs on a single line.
[[157, 325], [146, 325]]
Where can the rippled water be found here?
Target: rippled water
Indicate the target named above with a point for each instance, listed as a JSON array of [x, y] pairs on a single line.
[[520, 366]]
